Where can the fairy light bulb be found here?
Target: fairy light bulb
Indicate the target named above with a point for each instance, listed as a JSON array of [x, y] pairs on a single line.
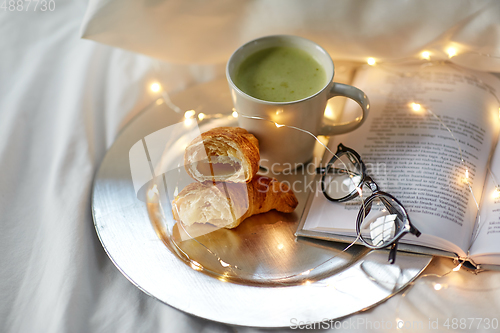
[[189, 114], [451, 52], [426, 55], [201, 116], [416, 107], [438, 286], [465, 179], [235, 114], [155, 87], [496, 193], [371, 61]]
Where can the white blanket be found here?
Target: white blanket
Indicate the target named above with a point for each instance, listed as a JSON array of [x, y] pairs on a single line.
[[63, 101], [202, 31]]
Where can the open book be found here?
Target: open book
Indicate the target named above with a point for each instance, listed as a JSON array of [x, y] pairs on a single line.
[[413, 156]]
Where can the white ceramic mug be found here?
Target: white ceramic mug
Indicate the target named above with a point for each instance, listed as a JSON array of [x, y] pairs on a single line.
[[282, 147]]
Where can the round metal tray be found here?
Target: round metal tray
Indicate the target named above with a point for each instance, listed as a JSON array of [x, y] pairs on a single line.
[[320, 280]]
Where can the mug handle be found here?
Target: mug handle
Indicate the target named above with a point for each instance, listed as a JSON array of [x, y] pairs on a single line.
[[340, 89]]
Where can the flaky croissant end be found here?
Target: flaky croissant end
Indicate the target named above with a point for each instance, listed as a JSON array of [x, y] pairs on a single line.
[[226, 205]]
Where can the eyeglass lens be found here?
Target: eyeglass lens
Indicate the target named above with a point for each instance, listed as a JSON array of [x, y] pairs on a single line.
[[343, 176], [384, 220]]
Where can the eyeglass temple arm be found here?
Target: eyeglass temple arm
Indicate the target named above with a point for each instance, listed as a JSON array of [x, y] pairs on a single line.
[[414, 231], [392, 253]]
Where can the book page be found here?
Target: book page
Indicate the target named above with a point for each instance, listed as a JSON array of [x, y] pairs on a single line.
[[487, 241], [412, 155]]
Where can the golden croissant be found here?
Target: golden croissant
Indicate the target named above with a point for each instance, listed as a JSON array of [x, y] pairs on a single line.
[[226, 205], [223, 154]]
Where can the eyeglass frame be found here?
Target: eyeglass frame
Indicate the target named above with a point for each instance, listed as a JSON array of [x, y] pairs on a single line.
[[408, 227]]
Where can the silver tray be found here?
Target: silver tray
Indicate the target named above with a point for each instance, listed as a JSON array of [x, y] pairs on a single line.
[[283, 279]]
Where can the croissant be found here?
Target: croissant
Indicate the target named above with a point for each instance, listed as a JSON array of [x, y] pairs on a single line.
[[223, 154], [226, 205]]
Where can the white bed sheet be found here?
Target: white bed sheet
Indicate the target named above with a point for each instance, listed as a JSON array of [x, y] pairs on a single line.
[[63, 101]]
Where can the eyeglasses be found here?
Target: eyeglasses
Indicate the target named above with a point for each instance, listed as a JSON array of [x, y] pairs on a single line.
[[382, 220]]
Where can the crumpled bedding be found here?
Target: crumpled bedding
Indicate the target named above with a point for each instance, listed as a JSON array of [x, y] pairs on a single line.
[[63, 101], [209, 31]]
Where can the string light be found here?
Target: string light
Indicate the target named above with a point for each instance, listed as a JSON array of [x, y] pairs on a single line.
[[189, 114], [465, 180], [426, 55], [496, 193], [416, 107], [451, 52], [456, 269], [155, 87], [467, 174]]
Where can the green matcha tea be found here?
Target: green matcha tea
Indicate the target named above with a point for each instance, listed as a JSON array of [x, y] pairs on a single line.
[[280, 74]]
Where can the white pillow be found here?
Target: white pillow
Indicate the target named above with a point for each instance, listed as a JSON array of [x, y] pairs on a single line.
[[208, 31]]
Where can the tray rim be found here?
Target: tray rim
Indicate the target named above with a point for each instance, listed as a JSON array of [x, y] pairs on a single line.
[[145, 290]]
